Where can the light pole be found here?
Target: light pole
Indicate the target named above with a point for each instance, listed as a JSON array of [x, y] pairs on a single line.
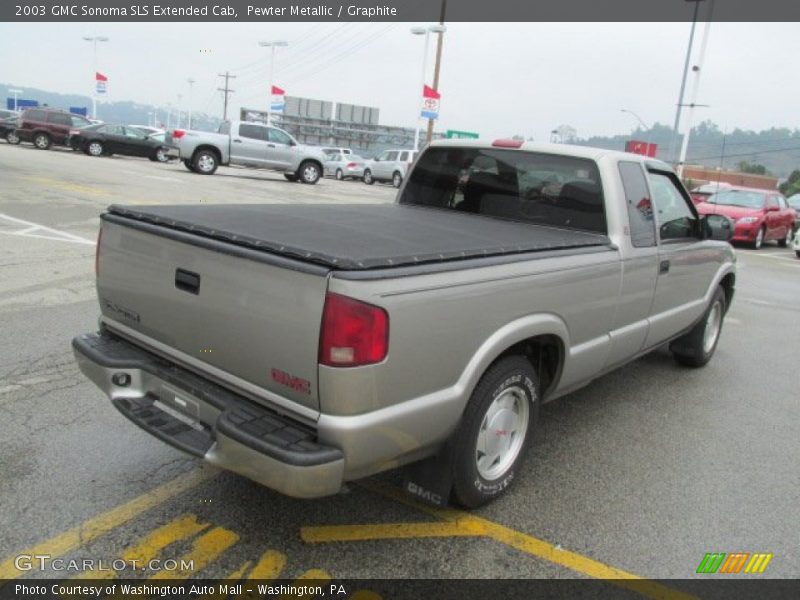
[[271, 45], [642, 123], [169, 115], [15, 92], [426, 31], [94, 39], [178, 113], [190, 81], [674, 139]]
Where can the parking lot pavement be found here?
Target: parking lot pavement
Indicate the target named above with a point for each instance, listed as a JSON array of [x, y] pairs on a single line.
[[641, 473]]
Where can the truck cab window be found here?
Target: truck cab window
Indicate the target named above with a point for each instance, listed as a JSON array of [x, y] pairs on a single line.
[[676, 220], [640, 207]]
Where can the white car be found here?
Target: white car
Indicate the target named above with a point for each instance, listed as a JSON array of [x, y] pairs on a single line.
[[390, 165], [796, 243]]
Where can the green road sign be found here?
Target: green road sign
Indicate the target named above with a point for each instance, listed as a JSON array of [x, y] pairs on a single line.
[[452, 133]]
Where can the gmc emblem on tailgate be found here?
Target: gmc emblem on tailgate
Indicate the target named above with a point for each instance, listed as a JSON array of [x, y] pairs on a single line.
[[296, 383]]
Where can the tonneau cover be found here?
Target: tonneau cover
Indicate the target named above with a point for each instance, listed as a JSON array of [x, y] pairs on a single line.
[[358, 236]]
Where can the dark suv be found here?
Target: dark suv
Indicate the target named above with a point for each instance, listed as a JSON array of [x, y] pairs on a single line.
[[47, 126]]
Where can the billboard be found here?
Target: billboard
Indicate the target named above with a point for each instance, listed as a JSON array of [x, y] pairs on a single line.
[[645, 148], [354, 113], [308, 108]]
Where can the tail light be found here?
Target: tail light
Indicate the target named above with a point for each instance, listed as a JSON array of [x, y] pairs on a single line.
[[178, 134], [97, 253], [353, 333], [351, 165]]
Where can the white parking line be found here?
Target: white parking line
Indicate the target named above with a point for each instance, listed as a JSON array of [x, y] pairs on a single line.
[[162, 178], [35, 230]]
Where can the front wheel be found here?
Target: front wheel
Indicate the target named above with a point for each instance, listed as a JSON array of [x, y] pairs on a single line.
[[368, 177], [495, 431], [309, 172], [12, 138], [697, 347], [160, 155], [339, 175], [397, 179], [95, 148], [759, 241]]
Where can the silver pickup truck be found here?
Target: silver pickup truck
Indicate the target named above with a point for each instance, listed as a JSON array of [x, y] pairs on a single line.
[[248, 145], [304, 346]]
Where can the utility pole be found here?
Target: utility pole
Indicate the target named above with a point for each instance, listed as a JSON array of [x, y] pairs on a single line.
[[438, 64], [227, 90], [674, 139], [190, 81]]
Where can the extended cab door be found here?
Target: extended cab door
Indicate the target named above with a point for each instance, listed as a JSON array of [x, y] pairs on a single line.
[[249, 144], [384, 164], [640, 259], [279, 149], [685, 267]]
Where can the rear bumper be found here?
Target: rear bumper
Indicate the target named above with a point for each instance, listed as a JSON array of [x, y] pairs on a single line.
[[206, 420], [173, 152]]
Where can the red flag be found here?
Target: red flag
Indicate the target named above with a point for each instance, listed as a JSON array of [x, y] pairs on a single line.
[[100, 77], [429, 92], [276, 91]]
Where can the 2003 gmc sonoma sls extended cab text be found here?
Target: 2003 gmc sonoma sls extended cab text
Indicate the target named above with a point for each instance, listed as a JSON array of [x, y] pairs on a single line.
[[304, 346]]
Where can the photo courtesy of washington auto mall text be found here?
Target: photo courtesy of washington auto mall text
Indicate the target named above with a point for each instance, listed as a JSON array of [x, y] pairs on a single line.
[[399, 299]]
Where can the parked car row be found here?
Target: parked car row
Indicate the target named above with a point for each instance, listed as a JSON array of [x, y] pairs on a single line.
[[44, 127], [389, 166], [759, 215]]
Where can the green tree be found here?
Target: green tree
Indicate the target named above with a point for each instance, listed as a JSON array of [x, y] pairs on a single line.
[[744, 166], [791, 186]]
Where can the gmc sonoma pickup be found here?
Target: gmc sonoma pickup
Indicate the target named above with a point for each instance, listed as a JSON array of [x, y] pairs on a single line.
[[248, 145], [304, 346]]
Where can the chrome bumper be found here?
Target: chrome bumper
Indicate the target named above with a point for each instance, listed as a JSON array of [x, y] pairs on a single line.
[[206, 420]]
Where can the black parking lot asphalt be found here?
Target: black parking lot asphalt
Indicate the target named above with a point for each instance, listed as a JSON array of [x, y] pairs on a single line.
[[639, 474]]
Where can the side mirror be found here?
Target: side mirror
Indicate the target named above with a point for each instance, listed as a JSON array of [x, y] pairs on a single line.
[[717, 227]]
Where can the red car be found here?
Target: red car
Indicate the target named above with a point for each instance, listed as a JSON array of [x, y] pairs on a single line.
[[760, 215]]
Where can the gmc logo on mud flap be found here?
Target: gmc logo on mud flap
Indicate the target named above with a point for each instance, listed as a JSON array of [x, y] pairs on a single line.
[[296, 383], [413, 488]]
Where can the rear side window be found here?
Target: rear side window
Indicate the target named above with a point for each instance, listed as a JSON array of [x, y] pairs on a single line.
[[60, 119], [254, 132], [36, 115], [640, 207], [391, 155], [278, 137], [528, 187]]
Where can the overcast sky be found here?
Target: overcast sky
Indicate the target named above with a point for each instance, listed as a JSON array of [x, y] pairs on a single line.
[[497, 79]]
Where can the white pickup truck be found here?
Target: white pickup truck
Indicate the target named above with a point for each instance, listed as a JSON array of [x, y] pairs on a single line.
[[248, 145], [304, 346]]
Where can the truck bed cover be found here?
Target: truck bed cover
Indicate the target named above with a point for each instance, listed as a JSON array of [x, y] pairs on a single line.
[[355, 237]]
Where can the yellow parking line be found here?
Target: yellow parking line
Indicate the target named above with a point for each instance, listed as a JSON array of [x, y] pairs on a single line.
[[464, 521], [69, 187], [269, 566], [101, 524], [383, 531], [204, 549]]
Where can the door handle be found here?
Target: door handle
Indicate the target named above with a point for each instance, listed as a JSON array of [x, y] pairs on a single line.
[[237, 141], [187, 281], [663, 267], [271, 145]]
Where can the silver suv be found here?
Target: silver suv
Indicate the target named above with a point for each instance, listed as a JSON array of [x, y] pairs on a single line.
[[390, 165]]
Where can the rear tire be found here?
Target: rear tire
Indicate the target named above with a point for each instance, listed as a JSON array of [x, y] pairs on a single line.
[[495, 431], [290, 176], [188, 164], [42, 141], [787, 240], [160, 155], [205, 162], [339, 175], [697, 347], [368, 177], [397, 179]]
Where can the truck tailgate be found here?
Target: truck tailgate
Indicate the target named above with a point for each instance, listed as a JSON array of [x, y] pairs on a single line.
[[255, 321]]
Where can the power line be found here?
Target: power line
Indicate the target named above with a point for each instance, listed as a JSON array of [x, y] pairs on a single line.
[[744, 154], [227, 91]]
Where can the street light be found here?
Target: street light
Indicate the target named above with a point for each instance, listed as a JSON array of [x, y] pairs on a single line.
[[426, 31], [190, 81], [178, 113], [642, 123], [272, 45], [15, 92], [94, 39]]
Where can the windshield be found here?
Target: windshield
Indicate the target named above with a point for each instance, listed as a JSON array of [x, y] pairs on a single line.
[[738, 198]]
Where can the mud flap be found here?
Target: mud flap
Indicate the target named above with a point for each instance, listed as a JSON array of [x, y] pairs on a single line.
[[431, 480]]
